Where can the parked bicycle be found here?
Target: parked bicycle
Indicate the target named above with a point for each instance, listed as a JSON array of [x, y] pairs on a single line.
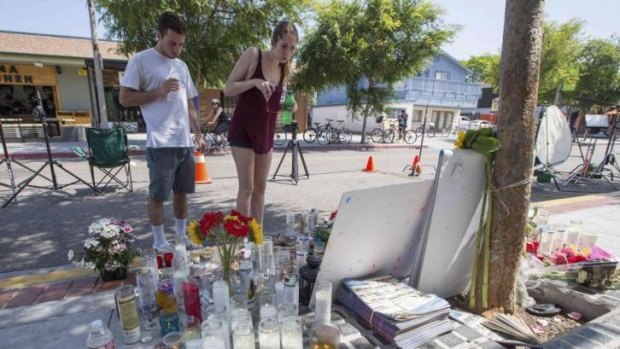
[[452, 129], [281, 135], [328, 133], [393, 134], [431, 131]]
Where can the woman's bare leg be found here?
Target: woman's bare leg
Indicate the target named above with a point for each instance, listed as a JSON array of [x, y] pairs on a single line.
[[244, 162], [261, 171]]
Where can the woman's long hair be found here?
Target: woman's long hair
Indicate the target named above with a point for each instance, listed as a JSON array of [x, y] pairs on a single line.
[[281, 30]]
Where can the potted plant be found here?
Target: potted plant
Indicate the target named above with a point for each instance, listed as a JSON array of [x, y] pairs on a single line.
[[108, 249]]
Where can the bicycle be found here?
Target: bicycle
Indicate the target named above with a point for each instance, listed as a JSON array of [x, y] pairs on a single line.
[[450, 130], [394, 133], [280, 136], [215, 142], [431, 131]]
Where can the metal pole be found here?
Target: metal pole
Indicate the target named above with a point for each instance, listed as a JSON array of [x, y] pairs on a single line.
[[98, 60], [423, 132]]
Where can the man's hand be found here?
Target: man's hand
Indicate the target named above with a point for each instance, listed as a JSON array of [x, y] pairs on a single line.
[[170, 85], [199, 141]]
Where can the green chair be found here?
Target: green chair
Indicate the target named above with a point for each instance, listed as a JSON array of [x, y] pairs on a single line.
[[108, 151]]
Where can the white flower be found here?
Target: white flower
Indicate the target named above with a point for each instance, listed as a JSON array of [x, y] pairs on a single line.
[[88, 243], [70, 255]]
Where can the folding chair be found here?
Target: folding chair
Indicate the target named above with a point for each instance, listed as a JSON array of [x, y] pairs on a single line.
[[108, 151]]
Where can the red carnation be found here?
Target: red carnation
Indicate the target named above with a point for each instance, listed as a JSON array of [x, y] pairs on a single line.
[[236, 228], [210, 220]]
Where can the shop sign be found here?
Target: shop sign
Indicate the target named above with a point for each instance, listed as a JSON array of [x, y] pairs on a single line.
[[16, 74], [82, 72]]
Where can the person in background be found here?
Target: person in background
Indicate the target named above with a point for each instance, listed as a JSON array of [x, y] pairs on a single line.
[[159, 83], [572, 122], [258, 79], [402, 123], [218, 118]]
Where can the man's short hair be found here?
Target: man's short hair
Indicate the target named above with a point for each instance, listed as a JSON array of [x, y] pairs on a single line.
[[171, 20]]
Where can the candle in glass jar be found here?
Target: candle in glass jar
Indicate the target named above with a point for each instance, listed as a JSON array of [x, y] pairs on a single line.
[[268, 334], [221, 295], [323, 303], [191, 297], [291, 333], [243, 336]]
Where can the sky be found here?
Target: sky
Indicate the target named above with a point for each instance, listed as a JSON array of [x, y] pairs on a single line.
[[481, 20]]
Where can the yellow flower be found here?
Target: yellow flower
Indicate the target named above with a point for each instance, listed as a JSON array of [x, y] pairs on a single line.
[[257, 231], [460, 138], [193, 233]]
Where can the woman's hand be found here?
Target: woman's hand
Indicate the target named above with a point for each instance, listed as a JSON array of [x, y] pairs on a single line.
[[265, 87]]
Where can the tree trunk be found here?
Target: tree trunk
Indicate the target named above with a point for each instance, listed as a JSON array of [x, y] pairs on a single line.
[[364, 117], [520, 66]]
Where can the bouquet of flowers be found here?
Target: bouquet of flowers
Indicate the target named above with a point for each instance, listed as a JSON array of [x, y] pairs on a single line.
[[108, 246], [226, 232]]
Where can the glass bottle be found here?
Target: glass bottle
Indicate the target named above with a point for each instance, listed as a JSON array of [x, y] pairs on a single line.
[[308, 274], [125, 298], [268, 334]]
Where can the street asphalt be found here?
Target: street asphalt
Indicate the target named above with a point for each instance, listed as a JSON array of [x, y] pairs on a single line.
[[40, 228]]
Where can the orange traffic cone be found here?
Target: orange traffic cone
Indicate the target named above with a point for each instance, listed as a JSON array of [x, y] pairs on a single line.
[[202, 174], [416, 161], [370, 165]]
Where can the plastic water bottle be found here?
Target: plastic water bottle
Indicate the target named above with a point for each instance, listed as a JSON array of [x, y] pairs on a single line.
[[99, 336]]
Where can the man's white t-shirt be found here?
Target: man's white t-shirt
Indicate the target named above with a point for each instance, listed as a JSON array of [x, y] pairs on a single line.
[[167, 118]]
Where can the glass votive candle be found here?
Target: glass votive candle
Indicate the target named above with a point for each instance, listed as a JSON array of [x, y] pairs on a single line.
[[173, 340], [323, 302], [286, 310], [325, 337], [216, 313], [268, 334], [546, 239], [238, 301], [268, 305], [587, 240], [213, 335], [291, 335], [238, 316], [243, 336], [191, 297]]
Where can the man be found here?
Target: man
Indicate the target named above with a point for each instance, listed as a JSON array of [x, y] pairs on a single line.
[[402, 123], [160, 84]]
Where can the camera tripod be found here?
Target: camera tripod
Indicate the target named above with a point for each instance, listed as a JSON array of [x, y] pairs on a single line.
[[49, 162], [295, 149]]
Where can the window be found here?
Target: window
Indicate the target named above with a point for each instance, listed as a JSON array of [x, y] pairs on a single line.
[[442, 75]]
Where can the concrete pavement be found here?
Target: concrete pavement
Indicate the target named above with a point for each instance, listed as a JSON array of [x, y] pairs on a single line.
[[56, 304]]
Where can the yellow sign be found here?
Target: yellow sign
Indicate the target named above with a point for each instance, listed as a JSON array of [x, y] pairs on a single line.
[[21, 74], [82, 72]]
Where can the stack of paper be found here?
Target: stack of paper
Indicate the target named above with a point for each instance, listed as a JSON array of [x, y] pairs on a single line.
[[397, 312]]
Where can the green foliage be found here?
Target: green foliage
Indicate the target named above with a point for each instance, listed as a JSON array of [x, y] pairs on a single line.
[[218, 31], [562, 44], [367, 46], [484, 68], [322, 233], [481, 141], [600, 71]]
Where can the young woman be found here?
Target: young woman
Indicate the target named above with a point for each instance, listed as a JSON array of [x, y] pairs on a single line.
[[258, 79]]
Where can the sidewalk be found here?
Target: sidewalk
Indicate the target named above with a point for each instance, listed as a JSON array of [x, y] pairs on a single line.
[[52, 307]]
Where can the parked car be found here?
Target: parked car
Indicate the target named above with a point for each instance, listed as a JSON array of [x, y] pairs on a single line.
[[464, 123], [478, 124]]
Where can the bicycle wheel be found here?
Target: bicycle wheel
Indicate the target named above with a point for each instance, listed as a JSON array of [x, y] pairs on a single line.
[[419, 131], [224, 142], [376, 135], [323, 137], [279, 138], [431, 132], [389, 136], [209, 142], [310, 135], [410, 137], [345, 136], [446, 132]]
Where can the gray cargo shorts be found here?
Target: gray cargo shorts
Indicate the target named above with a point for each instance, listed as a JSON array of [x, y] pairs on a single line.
[[170, 169]]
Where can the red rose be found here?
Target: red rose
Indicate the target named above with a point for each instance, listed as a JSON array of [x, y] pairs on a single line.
[[208, 221], [576, 258], [236, 228], [332, 216]]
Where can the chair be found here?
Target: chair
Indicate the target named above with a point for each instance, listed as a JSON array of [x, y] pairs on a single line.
[[108, 151]]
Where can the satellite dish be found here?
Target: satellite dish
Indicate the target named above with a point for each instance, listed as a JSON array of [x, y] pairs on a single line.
[[553, 138]]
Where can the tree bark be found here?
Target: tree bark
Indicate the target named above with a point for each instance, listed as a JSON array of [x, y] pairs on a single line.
[[520, 67]]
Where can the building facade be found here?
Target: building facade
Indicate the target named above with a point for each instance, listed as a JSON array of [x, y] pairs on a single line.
[[437, 93]]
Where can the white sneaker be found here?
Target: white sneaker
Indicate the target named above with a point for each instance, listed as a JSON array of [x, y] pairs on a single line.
[[163, 246]]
